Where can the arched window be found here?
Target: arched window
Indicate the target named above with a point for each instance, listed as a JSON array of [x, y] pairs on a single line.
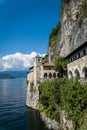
[[85, 72], [50, 75], [70, 74], [54, 75], [45, 75], [77, 74], [58, 75]]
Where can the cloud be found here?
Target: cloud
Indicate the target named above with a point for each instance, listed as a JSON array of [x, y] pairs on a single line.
[[17, 61]]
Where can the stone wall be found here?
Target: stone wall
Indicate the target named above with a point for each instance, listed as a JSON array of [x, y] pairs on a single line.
[[64, 123], [80, 65], [51, 124], [35, 76], [32, 92], [32, 95]]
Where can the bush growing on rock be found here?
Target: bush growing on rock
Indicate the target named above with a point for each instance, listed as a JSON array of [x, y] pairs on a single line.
[[64, 94]]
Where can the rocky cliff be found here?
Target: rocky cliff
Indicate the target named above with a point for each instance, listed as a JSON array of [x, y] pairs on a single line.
[[32, 96], [71, 31]]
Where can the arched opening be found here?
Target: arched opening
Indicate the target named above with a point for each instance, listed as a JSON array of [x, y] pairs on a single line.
[[45, 75], [54, 75], [50, 75], [70, 74], [77, 74], [85, 72], [58, 75]]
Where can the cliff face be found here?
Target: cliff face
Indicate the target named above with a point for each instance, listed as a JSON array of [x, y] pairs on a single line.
[[32, 96], [73, 28], [70, 33]]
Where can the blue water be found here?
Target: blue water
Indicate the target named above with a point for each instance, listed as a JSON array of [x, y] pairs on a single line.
[[14, 115]]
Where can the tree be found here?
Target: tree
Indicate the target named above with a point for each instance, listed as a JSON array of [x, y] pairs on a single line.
[[60, 65]]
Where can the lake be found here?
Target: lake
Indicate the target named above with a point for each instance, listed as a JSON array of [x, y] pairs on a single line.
[[14, 115]]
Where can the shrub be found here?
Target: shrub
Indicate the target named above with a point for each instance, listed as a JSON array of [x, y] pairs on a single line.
[[64, 94]]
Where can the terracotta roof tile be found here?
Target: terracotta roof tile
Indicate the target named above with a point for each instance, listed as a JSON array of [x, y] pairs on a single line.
[[47, 64]]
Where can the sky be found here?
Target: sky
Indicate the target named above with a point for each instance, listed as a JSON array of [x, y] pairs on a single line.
[[18, 61], [25, 25]]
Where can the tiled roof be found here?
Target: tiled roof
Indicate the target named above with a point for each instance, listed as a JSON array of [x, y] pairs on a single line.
[[47, 64]]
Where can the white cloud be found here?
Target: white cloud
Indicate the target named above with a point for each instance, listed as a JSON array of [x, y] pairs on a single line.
[[17, 61]]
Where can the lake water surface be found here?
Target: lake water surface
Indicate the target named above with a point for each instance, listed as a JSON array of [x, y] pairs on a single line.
[[14, 115]]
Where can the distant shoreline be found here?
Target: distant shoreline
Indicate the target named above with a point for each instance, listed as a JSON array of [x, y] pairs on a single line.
[[13, 74]]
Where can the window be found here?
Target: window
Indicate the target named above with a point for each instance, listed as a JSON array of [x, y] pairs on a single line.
[[58, 75], [52, 68], [70, 74], [79, 55], [46, 68], [68, 60], [50, 75], [71, 59], [49, 68], [75, 57], [45, 75], [84, 52], [54, 75], [85, 72]]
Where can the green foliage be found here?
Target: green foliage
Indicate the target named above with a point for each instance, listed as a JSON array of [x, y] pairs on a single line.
[[50, 98], [60, 65], [74, 101], [64, 3], [84, 125], [54, 39], [45, 59], [55, 34], [68, 95], [83, 9], [82, 13], [55, 30]]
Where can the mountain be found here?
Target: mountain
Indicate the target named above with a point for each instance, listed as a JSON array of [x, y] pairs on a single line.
[[13, 74]]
